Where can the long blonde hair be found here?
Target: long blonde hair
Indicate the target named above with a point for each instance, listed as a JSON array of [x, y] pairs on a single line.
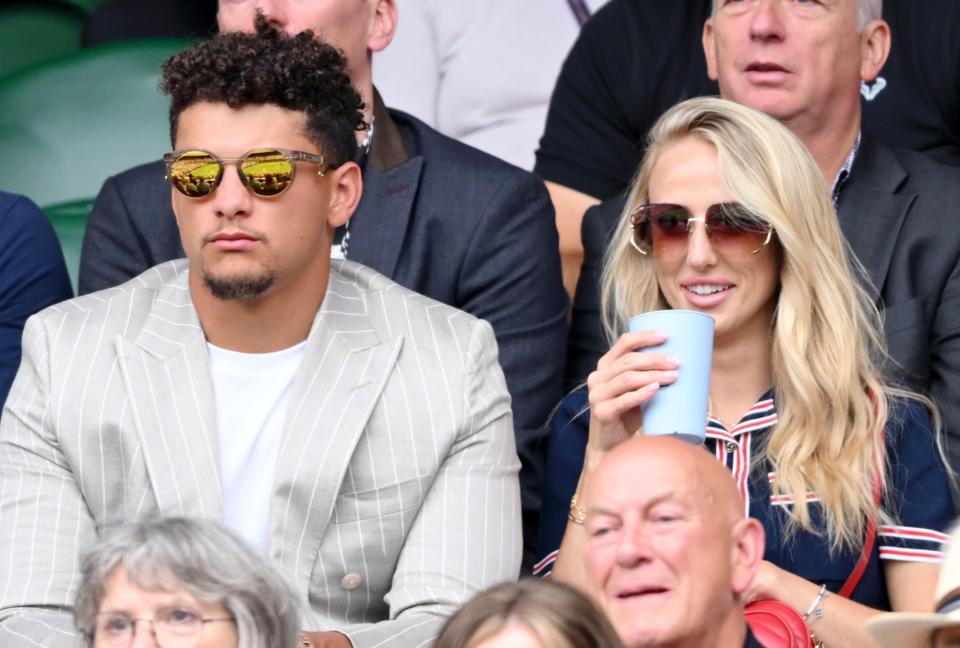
[[826, 342]]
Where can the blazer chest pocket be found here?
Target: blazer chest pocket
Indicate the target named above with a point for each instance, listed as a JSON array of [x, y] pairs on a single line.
[[357, 506]]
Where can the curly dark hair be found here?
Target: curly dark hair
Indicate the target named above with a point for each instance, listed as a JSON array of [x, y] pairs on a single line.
[[299, 73]]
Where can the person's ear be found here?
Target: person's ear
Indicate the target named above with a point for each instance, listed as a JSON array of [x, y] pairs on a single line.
[[383, 26], [346, 187], [874, 49], [710, 48], [746, 553]]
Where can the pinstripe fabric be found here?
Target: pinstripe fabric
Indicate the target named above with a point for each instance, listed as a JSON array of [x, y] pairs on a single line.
[[397, 463]]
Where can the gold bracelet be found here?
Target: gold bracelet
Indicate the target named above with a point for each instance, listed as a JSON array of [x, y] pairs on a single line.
[[577, 513]]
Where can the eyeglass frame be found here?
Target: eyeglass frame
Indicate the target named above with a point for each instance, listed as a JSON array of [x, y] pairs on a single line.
[[203, 621], [292, 155], [634, 223]]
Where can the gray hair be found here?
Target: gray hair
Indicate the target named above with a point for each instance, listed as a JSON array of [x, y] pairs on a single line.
[[202, 558], [867, 10]]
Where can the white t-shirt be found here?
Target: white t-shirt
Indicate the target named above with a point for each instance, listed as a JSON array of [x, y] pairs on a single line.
[[252, 392]]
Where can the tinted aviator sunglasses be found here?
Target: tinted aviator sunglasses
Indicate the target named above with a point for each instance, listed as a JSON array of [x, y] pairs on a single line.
[[265, 172], [732, 229]]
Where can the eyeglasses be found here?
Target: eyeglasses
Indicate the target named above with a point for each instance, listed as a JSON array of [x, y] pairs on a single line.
[[732, 229], [265, 172], [173, 627]]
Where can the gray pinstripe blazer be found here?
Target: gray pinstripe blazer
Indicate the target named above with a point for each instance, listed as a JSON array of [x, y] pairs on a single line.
[[397, 464]]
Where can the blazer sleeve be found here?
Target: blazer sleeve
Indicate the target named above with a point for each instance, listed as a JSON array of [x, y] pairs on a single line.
[[466, 536], [45, 520], [944, 382], [511, 278], [33, 275], [588, 340]]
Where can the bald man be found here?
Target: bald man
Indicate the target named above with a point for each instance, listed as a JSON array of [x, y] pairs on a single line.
[[670, 553]]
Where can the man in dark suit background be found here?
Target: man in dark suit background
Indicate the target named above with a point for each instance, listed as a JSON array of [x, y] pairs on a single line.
[[803, 64], [118, 20], [436, 216]]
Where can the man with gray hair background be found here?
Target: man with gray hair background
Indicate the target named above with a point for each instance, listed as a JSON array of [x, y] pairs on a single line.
[[633, 60]]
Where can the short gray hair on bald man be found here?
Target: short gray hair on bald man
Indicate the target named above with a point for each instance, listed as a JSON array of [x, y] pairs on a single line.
[[867, 10], [199, 557]]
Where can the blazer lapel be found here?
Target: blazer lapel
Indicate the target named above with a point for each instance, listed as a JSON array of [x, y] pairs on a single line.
[[871, 212], [343, 372], [379, 226], [167, 377]]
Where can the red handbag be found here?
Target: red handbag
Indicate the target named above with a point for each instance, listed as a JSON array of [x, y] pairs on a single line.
[[777, 625]]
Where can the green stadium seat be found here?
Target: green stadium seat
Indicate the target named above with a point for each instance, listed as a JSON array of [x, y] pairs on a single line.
[[33, 32], [69, 219], [67, 125]]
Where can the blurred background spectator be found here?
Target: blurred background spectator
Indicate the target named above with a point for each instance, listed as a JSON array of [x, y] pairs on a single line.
[[529, 614], [32, 276], [116, 20], [938, 629], [915, 102], [481, 72]]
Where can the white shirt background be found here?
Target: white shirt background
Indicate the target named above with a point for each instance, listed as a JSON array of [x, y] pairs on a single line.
[[481, 72]]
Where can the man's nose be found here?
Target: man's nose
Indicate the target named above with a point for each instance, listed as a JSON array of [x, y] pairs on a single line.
[[634, 546], [766, 21], [231, 199], [275, 11]]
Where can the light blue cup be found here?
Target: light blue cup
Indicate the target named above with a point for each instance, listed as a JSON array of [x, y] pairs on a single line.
[[680, 409]]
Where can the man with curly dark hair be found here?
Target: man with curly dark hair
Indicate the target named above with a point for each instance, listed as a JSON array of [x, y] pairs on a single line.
[[356, 433], [437, 216]]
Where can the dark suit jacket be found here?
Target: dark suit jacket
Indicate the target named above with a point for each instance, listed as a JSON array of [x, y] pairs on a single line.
[[896, 211], [436, 216], [33, 275], [118, 20]]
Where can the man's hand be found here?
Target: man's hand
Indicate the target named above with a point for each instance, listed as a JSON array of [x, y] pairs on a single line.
[[325, 640]]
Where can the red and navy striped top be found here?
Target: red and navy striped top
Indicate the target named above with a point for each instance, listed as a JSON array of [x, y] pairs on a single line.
[[918, 494]]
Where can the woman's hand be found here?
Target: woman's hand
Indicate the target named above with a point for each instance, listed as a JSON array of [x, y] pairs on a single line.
[[625, 379], [767, 584]]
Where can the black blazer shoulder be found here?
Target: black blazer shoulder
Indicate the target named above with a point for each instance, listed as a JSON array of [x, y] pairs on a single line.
[[588, 340], [131, 228]]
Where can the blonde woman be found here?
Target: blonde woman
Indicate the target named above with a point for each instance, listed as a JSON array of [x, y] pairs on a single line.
[[528, 614], [729, 216]]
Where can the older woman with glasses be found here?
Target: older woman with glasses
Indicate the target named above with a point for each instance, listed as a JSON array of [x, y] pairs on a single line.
[[729, 216], [182, 583]]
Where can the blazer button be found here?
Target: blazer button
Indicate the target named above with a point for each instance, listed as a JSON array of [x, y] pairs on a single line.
[[351, 581], [731, 447]]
